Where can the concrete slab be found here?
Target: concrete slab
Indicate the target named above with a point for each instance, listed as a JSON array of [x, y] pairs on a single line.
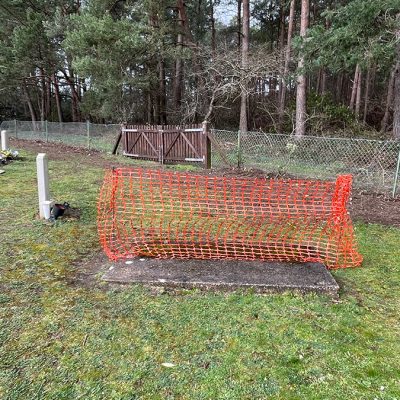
[[262, 277]]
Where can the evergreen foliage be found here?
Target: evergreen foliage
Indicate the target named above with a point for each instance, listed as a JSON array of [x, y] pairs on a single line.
[[148, 61]]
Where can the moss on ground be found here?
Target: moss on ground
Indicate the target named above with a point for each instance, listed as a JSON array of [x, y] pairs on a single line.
[[60, 340]]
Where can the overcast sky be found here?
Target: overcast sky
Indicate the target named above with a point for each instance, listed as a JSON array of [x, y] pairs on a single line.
[[225, 12], [228, 10]]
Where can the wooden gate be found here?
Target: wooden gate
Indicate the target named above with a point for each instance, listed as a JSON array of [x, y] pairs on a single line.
[[168, 143]]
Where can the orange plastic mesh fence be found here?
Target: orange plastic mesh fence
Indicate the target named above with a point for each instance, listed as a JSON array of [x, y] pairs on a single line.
[[180, 215]]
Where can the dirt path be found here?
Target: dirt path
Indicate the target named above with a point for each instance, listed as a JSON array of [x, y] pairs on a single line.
[[366, 206]]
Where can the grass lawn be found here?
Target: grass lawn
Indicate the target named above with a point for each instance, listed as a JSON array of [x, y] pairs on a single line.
[[64, 340]]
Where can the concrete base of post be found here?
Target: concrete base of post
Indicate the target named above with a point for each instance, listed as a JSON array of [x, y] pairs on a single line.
[[4, 140], [46, 208]]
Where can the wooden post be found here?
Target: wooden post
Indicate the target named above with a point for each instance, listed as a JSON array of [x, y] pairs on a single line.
[[206, 146], [115, 148], [43, 183], [161, 146]]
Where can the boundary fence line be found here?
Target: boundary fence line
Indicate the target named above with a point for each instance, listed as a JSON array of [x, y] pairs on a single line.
[[80, 134], [375, 164]]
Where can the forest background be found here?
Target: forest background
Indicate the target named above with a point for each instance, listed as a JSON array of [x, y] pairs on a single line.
[[322, 67]]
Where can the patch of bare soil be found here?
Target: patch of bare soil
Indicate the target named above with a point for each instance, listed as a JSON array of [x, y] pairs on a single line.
[[253, 173], [375, 208], [366, 206], [89, 272], [62, 152]]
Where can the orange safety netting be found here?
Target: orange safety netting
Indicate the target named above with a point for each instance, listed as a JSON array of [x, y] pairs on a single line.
[[180, 215]]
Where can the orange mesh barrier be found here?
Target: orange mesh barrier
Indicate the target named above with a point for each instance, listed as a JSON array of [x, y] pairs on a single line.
[[180, 215]]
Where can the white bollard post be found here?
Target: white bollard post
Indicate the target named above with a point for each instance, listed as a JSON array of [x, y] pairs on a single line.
[[43, 184], [4, 140]]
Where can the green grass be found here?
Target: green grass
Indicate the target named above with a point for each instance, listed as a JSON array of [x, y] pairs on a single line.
[[62, 340]]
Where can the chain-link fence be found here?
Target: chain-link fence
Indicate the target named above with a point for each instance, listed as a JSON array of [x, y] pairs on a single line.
[[80, 134], [374, 164]]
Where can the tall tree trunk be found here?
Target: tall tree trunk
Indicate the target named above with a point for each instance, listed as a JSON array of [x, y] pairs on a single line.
[[149, 108], [354, 88], [366, 96], [318, 85], [156, 95], [157, 65], [339, 87], [282, 12], [282, 98], [153, 67], [70, 78], [243, 124], [30, 105], [239, 25], [74, 101], [396, 103], [74, 96], [323, 69], [358, 96], [38, 101], [188, 41], [301, 111], [323, 82], [389, 98], [48, 97], [213, 32], [163, 96], [57, 97], [42, 95], [178, 79]]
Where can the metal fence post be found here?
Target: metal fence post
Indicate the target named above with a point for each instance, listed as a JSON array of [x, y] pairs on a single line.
[[15, 128], [239, 152], [396, 176], [46, 130], [88, 133]]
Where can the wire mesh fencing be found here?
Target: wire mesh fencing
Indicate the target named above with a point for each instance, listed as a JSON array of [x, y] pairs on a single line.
[[100, 137], [373, 163]]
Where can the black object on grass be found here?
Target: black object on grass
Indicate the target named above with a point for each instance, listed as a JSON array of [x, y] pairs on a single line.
[[58, 210]]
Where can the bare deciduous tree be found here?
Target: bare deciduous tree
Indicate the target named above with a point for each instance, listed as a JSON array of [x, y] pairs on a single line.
[[389, 99], [225, 79]]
